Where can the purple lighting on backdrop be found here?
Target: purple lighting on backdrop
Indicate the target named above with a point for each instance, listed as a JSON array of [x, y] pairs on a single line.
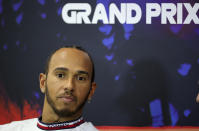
[[36, 94], [109, 57], [19, 18], [184, 69], [105, 3], [142, 109], [173, 114], [57, 1], [17, 43], [64, 38], [108, 42], [197, 31], [175, 28], [117, 77], [41, 2], [127, 36], [58, 35], [16, 6], [129, 62], [5, 47], [106, 29], [59, 11], [187, 112], [198, 61], [43, 15], [1, 7], [128, 28], [156, 113], [134, 76]]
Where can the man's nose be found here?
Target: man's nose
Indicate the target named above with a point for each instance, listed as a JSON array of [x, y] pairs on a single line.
[[69, 84]]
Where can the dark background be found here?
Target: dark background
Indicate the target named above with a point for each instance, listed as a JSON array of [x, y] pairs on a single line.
[[146, 74]]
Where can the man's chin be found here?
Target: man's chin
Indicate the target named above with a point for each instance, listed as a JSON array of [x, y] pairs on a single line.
[[65, 112], [68, 108]]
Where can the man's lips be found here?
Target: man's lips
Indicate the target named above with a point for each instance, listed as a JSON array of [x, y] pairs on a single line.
[[67, 99]]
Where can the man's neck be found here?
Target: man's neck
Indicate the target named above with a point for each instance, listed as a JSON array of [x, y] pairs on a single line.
[[56, 119]]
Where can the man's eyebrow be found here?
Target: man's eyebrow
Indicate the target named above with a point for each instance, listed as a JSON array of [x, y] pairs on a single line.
[[61, 69], [82, 72]]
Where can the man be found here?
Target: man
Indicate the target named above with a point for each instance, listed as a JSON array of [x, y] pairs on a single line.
[[68, 83]]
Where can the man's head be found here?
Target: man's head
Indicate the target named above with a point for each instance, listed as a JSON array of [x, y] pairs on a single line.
[[74, 47], [68, 81]]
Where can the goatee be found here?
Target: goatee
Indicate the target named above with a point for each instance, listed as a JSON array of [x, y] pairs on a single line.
[[64, 112]]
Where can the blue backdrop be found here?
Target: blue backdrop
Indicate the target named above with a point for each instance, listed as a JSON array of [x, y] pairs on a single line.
[[146, 74]]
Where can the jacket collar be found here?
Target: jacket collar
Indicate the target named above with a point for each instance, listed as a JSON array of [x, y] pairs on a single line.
[[59, 125]]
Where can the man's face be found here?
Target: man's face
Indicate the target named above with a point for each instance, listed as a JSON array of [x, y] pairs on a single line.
[[68, 83]]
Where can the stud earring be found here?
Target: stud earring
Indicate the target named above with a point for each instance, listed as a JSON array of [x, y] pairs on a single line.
[[89, 101]]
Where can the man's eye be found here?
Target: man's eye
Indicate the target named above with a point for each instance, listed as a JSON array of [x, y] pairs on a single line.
[[81, 78], [60, 75]]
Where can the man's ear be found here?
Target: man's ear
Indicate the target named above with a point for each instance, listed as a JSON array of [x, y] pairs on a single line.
[[42, 82], [197, 98], [92, 90]]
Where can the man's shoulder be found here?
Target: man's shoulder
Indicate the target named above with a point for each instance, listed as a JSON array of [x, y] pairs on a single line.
[[27, 121], [88, 126], [15, 125]]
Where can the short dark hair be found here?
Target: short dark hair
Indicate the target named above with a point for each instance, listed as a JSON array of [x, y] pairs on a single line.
[[46, 69]]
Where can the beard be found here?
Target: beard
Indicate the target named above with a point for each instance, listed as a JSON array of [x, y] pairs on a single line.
[[64, 112]]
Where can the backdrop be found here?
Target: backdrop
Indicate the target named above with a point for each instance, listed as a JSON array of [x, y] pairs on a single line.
[[146, 73]]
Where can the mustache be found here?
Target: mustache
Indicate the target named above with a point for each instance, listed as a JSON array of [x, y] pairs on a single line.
[[67, 93]]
